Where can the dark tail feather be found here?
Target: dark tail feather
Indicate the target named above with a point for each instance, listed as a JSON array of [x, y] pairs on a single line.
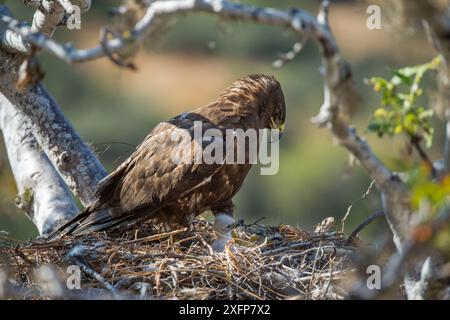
[[70, 226], [98, 221], [87, 221]]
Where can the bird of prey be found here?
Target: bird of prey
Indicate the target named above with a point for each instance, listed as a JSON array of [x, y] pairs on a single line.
[[150, 185]]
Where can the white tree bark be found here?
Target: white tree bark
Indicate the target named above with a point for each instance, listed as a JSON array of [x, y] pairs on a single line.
[[42, 193], [65, 149]]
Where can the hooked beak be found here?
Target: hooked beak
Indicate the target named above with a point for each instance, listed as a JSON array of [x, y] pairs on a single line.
[[280, 128]]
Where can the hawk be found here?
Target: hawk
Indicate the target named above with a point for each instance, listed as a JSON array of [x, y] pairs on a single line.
[[151, 185]]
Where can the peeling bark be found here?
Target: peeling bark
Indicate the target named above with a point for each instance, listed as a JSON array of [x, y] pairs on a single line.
[[42, 193], [65, 149], [70, 155]]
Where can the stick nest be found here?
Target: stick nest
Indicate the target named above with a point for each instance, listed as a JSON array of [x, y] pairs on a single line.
[[260, 262]]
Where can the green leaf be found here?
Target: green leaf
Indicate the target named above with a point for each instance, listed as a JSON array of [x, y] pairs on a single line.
[[400, 77], [374, 127], [398, 112]]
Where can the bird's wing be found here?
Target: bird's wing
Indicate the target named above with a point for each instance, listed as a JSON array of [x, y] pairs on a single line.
[[155, 178], [149, 179]]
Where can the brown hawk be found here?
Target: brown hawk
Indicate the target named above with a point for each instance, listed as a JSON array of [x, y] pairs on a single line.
[[151, 185]]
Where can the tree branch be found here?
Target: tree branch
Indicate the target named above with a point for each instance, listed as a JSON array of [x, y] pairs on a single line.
[[66, 150], [47, 17], [299, 21], [73, 159], [415, 141], [42, 193], [339, 96]]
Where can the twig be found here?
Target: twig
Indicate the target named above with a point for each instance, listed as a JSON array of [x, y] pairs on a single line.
[[365, 223], [290, 55], [75, 254], [415, 141], [95, 275], [365, 195], [399, 260], [290, 246], [157, 236], [19, 253], [256, 223], [116, 60]]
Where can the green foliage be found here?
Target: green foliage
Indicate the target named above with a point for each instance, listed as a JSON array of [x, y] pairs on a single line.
[[431, 193], [430, 196], [400, 111]]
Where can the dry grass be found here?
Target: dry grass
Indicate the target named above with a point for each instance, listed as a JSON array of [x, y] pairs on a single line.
[[259, 263]]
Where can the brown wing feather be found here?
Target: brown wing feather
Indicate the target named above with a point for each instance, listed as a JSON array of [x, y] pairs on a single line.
[[147, 181]]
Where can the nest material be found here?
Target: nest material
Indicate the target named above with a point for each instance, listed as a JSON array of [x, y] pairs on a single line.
[[260, 262]]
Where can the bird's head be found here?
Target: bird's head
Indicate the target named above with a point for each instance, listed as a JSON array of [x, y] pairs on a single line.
[[276, 109], [265, 92], [257, 91], [223, 224]]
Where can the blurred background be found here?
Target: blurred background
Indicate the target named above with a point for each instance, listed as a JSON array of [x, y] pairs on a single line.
[[189, 63]]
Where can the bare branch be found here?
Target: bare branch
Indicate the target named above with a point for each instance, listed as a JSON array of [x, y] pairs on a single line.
[[301, 22], [65, 149], [42, 193], [415, 141], [290, 55], [48, 15], [10, 39], [103, 39], [46, 21], [365, 223], [420, 283], [339, 97]]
